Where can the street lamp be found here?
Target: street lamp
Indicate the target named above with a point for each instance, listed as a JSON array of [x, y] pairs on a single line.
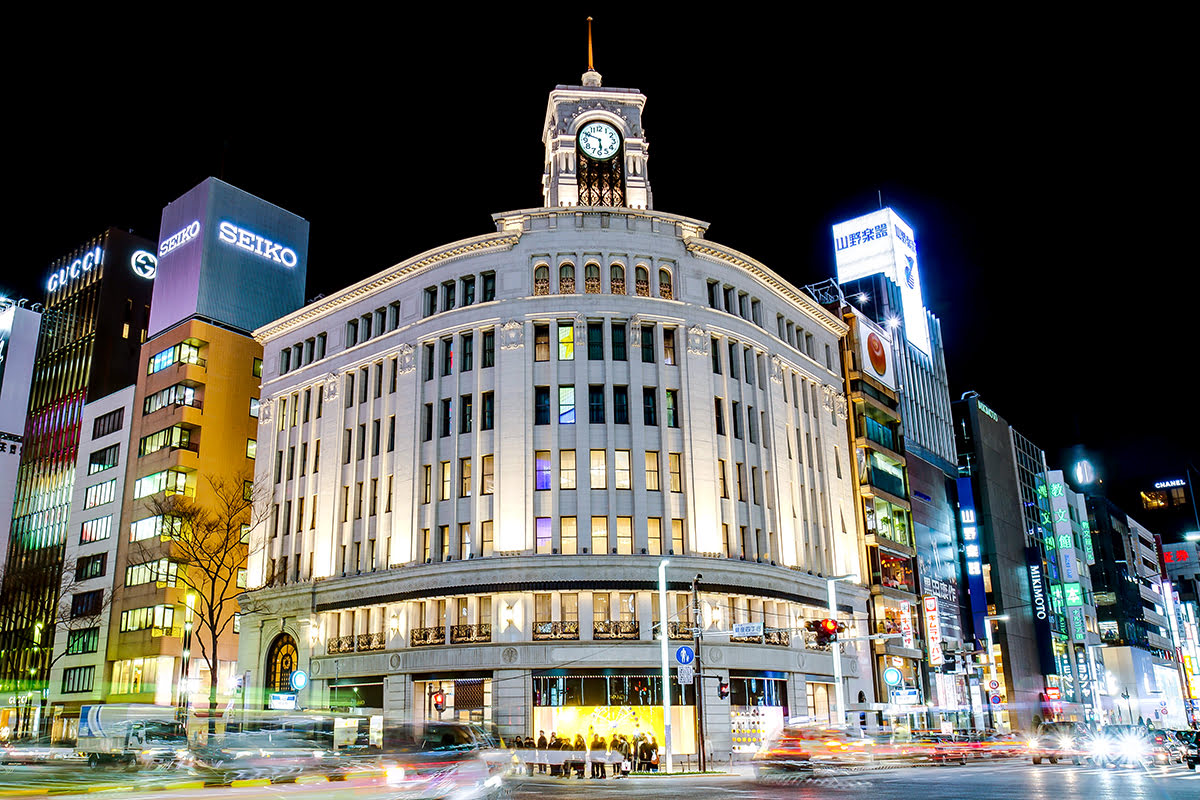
[[839, 691], [987, 626], [663, 639]]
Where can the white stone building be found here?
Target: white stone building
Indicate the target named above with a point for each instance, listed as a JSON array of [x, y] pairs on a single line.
[[477, 457]]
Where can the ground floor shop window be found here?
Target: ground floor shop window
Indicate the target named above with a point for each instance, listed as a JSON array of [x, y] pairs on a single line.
[[758, 708], [819, 701], [463, 699], [612, 705]]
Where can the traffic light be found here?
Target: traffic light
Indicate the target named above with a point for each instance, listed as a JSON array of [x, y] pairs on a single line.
[[825, 630], [439, 701], [723, 689]]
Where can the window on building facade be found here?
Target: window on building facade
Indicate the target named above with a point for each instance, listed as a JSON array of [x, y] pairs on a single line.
[[566, 405], [487, 480], [621, 405], [566, 341], [568, 536], [652, 471], [487, 411], [622, 472], [618, 340], [541, 405], [598, 470], [566, 469], [489, 348], [541, 470], [600, 535], [647, 344], [541, 342], [675, 468], [466, 344], [649, 406]]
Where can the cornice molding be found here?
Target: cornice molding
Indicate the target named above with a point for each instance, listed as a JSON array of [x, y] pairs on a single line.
[[727, 255], [500, 240]]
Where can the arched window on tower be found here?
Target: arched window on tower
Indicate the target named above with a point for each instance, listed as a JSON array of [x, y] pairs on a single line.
[[281, 662], [617, 279], [541, 279], [566, 278], [591, 278], [664, 284], [641, 281]]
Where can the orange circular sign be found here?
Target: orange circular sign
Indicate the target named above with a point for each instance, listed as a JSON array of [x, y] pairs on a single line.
[[877, 353]]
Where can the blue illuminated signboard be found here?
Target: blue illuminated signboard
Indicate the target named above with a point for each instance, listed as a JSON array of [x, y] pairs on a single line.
[[972, 552], [80, 266], [1040, 609], [259, 245]]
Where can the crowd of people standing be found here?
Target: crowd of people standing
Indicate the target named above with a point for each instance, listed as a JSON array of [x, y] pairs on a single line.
[[593, 754]]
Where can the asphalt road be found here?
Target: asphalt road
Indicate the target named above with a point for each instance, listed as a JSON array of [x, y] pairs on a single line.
[[1008, 780]]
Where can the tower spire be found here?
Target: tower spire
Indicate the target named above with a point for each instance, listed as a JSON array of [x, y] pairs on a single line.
[[591, 77]]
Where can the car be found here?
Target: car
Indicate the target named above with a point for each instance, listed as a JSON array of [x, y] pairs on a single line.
[[423, 760], [1128, 746], [37, 751], [1058, 741], [1190, 740]]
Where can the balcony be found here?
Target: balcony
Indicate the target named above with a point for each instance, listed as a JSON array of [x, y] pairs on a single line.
[[678, 631], [887, 482], [642, 288], [541, 286], [591, 285], [616, 629], [371, 641], [566, 286], [471, 634], [424, 637], [664, 291], [339, 644], [555, 630], [617, 286], [777, 637]]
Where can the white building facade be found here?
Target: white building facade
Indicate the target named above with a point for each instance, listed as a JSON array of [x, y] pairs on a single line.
[[478, 458]]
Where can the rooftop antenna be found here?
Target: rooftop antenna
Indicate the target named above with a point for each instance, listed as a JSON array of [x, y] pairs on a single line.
[[880, 193], [590, 67]]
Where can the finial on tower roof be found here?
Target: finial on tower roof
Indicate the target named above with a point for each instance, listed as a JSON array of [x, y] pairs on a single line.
[[591, 77]]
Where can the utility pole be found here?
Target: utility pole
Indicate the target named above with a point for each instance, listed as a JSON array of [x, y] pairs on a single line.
[[698, 683], [664, 644]]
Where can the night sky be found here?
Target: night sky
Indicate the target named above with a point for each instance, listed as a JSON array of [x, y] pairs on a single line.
[[1044, 164]]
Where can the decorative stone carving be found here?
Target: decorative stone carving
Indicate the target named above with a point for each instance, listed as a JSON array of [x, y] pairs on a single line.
[[316, 667], [776, 369], [394, 661], [635, 332], [509, 656], [407, 361], [331, 387], [714, 655], [512, 335], [580, 330], [800, 660], [827, 394], [265, 409], [839, 405], [697, 341]]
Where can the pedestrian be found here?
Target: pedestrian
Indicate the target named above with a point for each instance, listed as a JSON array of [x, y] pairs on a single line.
[[600, 759], [643, 755], [653, 753], [580, 748], [541, 751]]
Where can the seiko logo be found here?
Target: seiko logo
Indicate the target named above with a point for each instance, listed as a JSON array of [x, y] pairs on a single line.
[[1039, 594], [58, 278], [179, 239], [249, 240]]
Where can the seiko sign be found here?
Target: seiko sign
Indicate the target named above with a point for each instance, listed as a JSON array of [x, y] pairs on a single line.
[[1037, 589], [90, 260], [179, 239], [263, 248]]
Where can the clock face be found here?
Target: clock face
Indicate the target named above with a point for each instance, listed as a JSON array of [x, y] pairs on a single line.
[[599, 141]]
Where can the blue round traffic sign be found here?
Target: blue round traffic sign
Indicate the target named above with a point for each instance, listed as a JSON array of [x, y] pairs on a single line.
[[299, 679], [892, 676], [685, 655], [996, 700]]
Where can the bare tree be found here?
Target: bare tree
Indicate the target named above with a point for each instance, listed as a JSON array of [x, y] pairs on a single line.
[[74, 608], [209, 541]]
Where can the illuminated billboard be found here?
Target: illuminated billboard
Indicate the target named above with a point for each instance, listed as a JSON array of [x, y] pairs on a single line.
[[226, 255], [881, 242], [875, 352]]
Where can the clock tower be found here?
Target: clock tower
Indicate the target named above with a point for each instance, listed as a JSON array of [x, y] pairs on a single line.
[[595, 147]]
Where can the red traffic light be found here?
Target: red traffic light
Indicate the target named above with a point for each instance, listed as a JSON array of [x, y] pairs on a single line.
[[439, 701], [829, 626]]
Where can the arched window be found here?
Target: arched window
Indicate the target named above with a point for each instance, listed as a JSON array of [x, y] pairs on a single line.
[[641, 281], [617, 279], [541, 279], [281, 662], [591, 278], [664, 284], [566, 278]]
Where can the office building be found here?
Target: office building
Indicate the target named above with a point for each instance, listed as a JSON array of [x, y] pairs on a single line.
[[18, 346]]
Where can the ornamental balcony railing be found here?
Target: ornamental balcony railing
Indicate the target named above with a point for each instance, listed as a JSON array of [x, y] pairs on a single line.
[[591, 285], [642, 287], [617, 286], [566, 286], [371, 641], [541, 286], [555, 630], [616, 629], [680, 631], [664, 291], [423, 637], [468, 634], [339, 644], [777, 637]]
